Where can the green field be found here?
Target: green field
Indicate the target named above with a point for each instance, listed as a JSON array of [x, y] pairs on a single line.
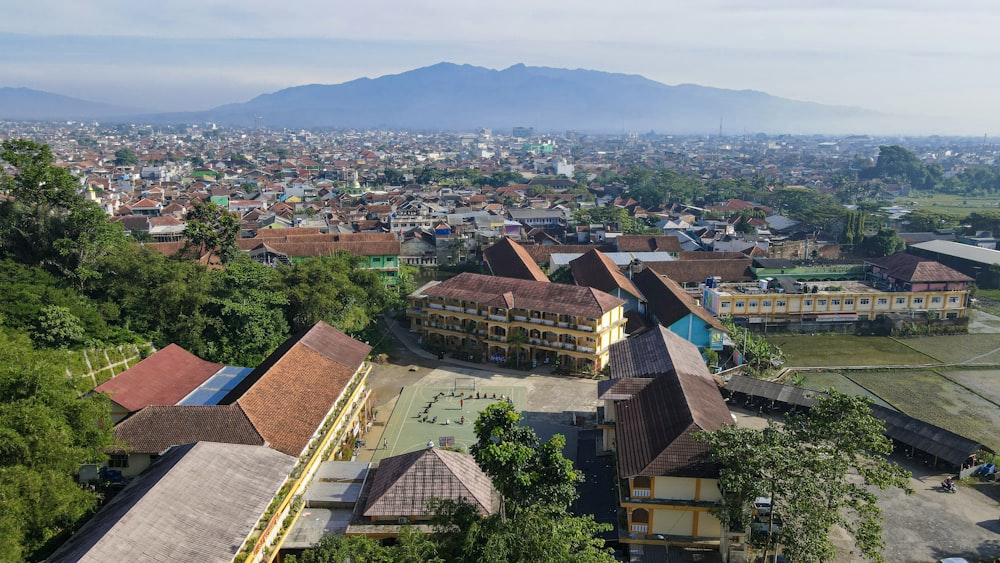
[[956, 205], [821, 381], [846, 350], [406, 430], [981, 348]]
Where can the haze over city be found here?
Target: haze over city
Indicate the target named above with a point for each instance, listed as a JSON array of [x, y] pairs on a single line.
[[911, 58]]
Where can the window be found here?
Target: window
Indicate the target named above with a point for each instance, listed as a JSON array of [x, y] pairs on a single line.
[[753, 303], [767, 302], [821, 302], [953, 299], [849, 301], [900, 301], [118, 461], [865, 301], [740, 304], [918, 300], [725, 304], [779, 303], [808, 302], [935, 299], [883, 300], [835, 302]]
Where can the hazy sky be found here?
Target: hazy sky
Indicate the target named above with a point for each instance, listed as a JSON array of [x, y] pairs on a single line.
[[911, 57]]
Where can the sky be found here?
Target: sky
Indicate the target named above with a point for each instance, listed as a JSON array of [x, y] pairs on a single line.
[[912, 58]]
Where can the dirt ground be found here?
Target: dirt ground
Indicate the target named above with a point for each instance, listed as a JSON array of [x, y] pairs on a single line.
[[930, 524]]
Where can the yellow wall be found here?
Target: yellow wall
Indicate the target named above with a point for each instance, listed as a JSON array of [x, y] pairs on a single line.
[[672, 522]]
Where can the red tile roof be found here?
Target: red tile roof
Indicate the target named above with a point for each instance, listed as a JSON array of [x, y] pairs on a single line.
[[668, 301], [914, 269], [164, 378], [509, 293]]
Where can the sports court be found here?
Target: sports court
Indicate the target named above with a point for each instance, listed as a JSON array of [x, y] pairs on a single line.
[[434, 414]]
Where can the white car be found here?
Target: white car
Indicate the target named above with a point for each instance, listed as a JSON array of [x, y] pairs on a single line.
[[954, 560]]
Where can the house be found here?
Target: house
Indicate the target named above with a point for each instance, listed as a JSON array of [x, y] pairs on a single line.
[[488, 316], [508, 259], [404, 484], [672, 307], [199, 502], [692, 268], [164, 378], [659, 396], [594, 269], [980, 263]]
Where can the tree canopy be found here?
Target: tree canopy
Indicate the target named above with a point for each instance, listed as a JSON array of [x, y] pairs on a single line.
[[818, 469]]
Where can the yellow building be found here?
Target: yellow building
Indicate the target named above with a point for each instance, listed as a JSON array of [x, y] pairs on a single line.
[[494, 318], [659, 395], [831, 302]]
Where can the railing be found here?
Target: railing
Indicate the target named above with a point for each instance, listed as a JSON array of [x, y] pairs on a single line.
[[562, 325], [587, 328], [519, 318], [435, 306], [548, 322], [498, 318], [585, 349], [453, 308]]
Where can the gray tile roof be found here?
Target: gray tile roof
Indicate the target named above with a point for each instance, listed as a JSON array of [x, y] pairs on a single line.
[[404, 483], [198, 503]]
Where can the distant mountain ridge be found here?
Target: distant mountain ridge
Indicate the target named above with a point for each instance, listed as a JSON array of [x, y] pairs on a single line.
[[451, 97], [28, 104]]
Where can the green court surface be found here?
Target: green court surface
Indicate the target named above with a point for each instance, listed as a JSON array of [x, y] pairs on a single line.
[[406, 430]]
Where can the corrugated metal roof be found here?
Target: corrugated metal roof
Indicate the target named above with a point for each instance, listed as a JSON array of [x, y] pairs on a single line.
[[964, 251]]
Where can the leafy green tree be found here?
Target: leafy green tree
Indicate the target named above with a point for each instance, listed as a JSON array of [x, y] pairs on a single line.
[[926, 219], [126, 157], [58, 327], [818, 469], [884, 243], [212, 230], [244, 319], [524, 470], [46, 433]]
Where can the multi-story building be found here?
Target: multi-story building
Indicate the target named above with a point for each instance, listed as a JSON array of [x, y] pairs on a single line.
[[900, 284], [659, 396], [491, 317]]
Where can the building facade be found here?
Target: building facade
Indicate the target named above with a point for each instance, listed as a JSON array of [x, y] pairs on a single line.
[[537, 322]]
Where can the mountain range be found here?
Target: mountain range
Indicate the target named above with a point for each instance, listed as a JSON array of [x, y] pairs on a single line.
[[451, 97]]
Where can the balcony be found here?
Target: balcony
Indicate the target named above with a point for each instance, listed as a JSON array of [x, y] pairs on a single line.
[[519, 318], [587, 349], [435, 306], [416, 312], [587, 328], [500, 318], [453, 308]]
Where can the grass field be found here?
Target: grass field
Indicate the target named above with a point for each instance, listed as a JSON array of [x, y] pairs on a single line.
[[954, 204], [926, 395], [846, 350], [983, 348], [406, 430], [821, 381]]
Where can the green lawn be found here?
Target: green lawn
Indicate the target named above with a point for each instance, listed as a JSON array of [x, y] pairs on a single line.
[[957, 205], [821, 381], [845, 350]]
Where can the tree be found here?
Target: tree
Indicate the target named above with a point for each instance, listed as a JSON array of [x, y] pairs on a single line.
[[46, 433], [818, 470], [58, 327], [213, 231], [126, 157], [524, 470], [884, 243]]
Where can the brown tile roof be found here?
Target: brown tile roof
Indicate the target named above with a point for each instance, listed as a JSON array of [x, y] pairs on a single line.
[[154, 429], [289, 395], [509, 293], [914, 269], [357, 248], [404, 483], [541, 253], [655, 428], [668, 302], [694, 267], [679, 397], [644, 243], [595, 269], [164, 378], [656, 352], [508, 259]]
